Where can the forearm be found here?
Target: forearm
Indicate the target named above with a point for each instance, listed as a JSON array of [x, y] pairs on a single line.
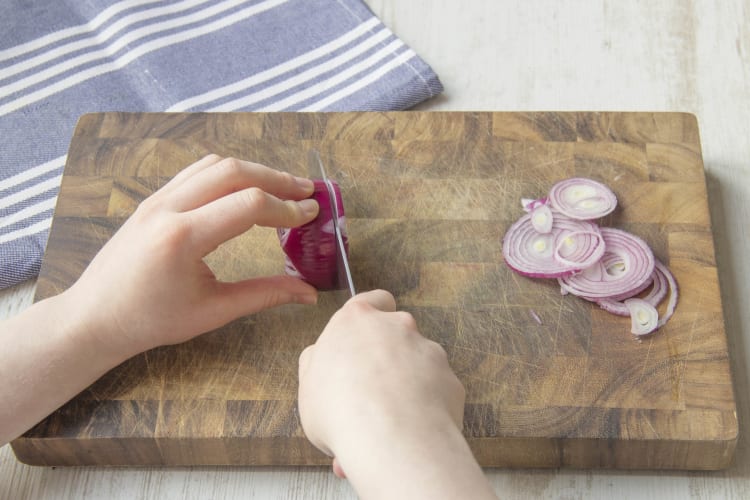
[[49, 355], [429, 464]]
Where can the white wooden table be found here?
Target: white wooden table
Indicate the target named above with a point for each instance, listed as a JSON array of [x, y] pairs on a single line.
[[511, 55]]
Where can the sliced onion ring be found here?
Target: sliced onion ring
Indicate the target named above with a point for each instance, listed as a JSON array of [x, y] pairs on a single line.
[[532, 254], [580, 256], [659, 289], [623, 271], [673, 295], [583, 199]]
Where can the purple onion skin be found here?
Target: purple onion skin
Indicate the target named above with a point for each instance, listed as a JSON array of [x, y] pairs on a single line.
[[311, 249]]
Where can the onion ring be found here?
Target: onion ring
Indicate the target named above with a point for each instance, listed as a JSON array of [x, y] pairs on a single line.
[[582, 199], [659, 289], [533, 254], [623, 271]]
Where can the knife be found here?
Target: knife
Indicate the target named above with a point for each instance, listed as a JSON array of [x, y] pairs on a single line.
[[342, 261]]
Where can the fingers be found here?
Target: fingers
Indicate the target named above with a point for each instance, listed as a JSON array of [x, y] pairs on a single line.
[[232, 215], [250, 296], [189, 171], [379, 299], [209, 180], [224, 197]]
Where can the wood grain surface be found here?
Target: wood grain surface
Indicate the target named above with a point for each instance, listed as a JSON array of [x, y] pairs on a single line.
[[428, 198], [674, 55]]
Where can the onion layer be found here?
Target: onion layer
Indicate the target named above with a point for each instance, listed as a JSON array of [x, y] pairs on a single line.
[[580, 198], [623, 270], [643, 316], [659, 289], [537, 255], [541, 219]]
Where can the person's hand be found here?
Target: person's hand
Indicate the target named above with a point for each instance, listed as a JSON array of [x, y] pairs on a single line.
[[383, 400], [149, 285]]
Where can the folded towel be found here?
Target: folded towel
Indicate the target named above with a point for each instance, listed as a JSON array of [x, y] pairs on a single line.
[[60, 59]]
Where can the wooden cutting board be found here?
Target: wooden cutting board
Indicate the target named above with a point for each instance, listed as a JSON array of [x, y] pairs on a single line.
[[428, 199]]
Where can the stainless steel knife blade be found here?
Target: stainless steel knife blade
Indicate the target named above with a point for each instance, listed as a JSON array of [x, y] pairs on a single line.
[[342, 266]]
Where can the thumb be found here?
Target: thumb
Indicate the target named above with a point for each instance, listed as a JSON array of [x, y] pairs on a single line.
[[379, 299], [304, 360]]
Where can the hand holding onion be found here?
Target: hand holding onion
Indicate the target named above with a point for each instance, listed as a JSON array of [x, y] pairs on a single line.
[[151, 275]]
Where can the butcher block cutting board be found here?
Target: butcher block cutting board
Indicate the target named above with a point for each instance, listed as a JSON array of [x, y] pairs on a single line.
[[551, 380]]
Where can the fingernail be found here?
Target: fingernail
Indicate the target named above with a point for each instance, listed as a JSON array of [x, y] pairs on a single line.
[[305, 184], [309, 206]]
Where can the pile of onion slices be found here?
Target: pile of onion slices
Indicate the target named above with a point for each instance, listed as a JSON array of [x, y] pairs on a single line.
[[558, 238]]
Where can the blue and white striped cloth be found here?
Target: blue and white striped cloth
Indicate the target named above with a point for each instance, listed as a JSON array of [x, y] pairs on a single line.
[[60, 59]]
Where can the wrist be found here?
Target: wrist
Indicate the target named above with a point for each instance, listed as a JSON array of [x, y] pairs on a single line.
[[82, 323], [418, 460], [49, 356]]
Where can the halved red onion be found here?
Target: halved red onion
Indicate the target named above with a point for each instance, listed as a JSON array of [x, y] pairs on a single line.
[[535, 254], [311, 249], [623, 271], [581, 198]]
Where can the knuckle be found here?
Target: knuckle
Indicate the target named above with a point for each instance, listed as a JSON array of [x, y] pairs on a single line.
[[213, 158], [438, 349], [406, 320], [176, 230], [145, 206], [150, 207], [166, 235], [286, 179], [356, 306], [252, 200], [230, 166]]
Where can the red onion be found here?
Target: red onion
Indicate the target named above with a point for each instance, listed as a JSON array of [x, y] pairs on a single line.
[[659, 289], [623, 271], [539, 255], [604, 265], [311, 249], [580, 198]]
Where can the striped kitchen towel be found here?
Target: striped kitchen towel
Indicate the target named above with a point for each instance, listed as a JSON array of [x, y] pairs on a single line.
[[60, 59]]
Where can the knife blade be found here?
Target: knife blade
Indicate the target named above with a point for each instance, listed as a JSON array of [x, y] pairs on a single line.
[[342, 261]]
